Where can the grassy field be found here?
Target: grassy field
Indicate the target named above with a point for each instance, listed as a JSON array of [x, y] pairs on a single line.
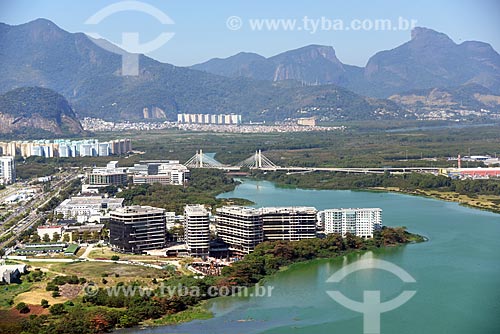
[[97, 270], [113, 273], [80, 252], [36, 293], [107, 253], [103, 253], [9, 292]]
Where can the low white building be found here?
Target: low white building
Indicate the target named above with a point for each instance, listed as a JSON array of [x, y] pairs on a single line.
[[362, 222], [87, 208]]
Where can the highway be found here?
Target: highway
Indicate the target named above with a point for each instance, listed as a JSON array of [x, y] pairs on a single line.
[[375, 170], [366, 170], [30, 209]]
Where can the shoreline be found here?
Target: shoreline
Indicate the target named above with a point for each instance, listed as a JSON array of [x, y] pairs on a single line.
[[437, 195], [201, 311], [483, 202]]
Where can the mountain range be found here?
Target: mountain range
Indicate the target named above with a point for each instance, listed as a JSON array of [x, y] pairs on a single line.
[[39, 53], [430, 59], [309, 81]]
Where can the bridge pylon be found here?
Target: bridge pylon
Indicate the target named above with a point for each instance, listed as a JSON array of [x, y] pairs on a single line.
[[257, 161], [201, 160]]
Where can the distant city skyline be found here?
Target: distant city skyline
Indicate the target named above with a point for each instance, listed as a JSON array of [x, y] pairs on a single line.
[[205, 30]]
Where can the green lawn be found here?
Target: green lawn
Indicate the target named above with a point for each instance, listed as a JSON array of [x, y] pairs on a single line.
[[8, 292], [98, 269]]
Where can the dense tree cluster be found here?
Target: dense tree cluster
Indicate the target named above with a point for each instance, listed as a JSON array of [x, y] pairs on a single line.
[[408, 182], [203, 187], [270, 256]]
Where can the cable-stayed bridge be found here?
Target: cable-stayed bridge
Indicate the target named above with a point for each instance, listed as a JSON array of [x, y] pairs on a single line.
[[258, 160], [201, 160], [261, 162]]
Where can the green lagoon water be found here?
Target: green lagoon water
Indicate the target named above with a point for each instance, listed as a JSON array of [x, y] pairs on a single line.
[[457, 273]]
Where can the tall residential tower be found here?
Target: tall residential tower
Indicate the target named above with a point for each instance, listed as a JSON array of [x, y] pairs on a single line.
[[197, 229]]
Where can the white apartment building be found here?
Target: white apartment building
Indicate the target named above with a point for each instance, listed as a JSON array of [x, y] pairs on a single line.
[[66, 148], [7, 170], [209, 118], [197, 230], [360, 222]]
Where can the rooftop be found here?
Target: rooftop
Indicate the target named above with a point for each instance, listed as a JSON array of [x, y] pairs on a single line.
[[353, 209], [106, 171], [195, 209], [88, 227], [237, 209], [138, 209], [289, 209], [82, 200]]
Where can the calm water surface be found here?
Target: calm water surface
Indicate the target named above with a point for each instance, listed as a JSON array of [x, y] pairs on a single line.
[[457, 273]]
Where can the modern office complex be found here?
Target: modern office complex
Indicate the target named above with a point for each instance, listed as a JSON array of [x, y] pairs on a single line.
[[7, 170], [289, 223], [87, 208], [359, 222], [240, 227], [134, 229], [163, 172], [110, 175], [197, 230]]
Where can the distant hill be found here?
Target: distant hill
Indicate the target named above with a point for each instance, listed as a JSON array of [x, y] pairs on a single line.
[[234, 66], [311, 65], [432, 60], [31, 112], [39, 53], [429, 60]]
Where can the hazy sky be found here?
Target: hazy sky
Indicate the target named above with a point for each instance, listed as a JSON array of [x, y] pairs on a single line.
[[201, 27]]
